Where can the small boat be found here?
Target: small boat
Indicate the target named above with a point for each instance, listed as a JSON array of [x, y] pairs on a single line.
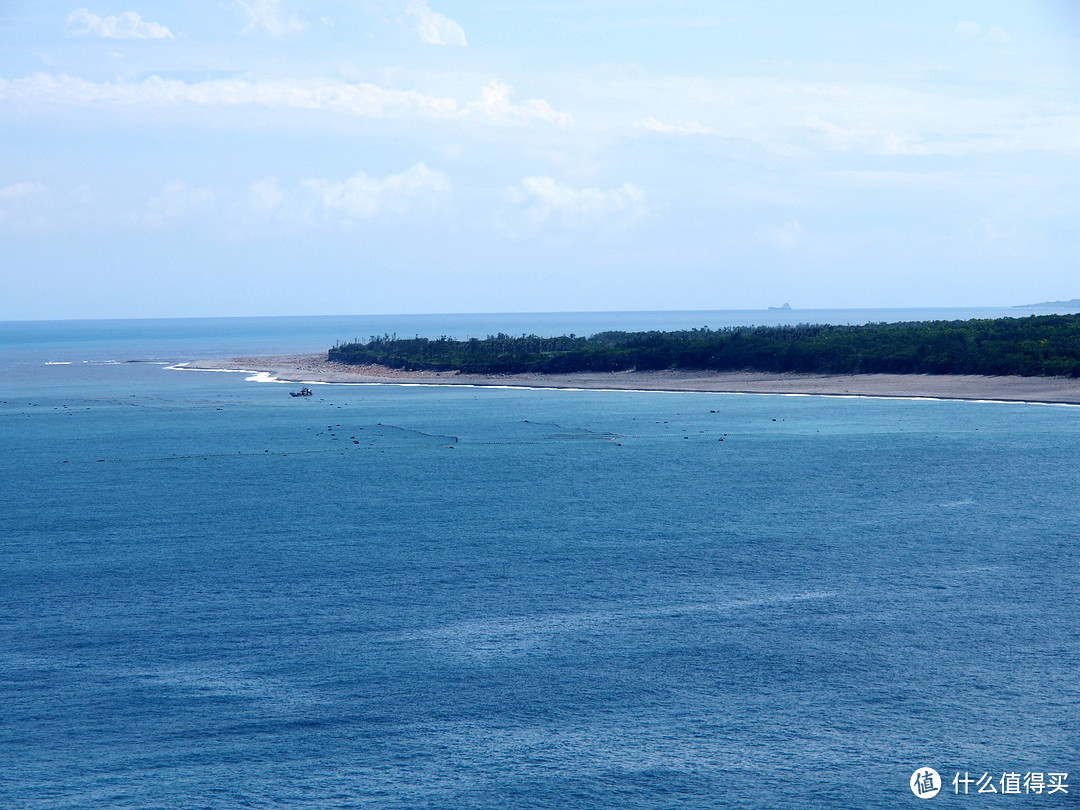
[[303, 392]]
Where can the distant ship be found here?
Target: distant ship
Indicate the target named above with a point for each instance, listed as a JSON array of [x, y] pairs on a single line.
[[785, 306], [303, 392]]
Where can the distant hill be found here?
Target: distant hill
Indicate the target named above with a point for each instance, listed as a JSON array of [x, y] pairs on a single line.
[[1073, 302]]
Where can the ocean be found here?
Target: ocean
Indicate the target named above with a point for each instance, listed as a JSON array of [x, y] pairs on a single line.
[[213, 595]]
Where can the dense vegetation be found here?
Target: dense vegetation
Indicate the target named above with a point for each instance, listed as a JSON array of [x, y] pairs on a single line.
[[1047, 345]]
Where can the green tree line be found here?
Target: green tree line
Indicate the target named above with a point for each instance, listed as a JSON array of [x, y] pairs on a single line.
[[1045, 345]]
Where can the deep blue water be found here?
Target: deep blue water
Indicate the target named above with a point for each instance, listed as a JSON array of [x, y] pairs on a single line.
[[215, 595]]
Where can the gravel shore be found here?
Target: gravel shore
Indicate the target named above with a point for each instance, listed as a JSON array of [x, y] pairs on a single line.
[[314, 368]]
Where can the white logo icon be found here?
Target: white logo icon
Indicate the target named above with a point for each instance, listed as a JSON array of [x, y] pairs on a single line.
[[925, 783]]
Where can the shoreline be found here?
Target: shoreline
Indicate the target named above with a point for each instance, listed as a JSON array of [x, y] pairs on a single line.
[[316, 369]]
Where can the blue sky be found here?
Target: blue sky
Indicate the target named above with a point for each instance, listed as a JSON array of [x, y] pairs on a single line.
[[264, 157]]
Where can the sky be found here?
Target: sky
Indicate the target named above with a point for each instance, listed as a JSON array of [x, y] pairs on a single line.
[[309, 157]]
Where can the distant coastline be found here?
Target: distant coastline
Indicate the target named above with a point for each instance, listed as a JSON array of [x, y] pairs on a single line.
[[314, 369], [1071, 304]]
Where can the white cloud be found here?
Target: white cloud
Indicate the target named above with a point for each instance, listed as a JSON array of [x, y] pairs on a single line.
[[23, 206], [543, 197], [989, 231], [435, 28], [971, 30], [363, 197], [934, 182], [798, 117], [37, 208], [967, 29], [82, 195], [266, 14], [21, 191], [266, 194], [689, 128], [175, 201], [360, 99], [787, 235], [128, 25], [847, 139], [877, 141], [495, 105]]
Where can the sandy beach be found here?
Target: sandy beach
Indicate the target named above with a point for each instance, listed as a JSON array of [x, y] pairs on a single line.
[[314, 368]]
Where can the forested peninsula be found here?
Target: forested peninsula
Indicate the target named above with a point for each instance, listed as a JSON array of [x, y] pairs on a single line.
[[1044, 345]]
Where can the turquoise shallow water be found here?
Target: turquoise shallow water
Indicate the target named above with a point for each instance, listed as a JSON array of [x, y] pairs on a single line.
[[214, 595]]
